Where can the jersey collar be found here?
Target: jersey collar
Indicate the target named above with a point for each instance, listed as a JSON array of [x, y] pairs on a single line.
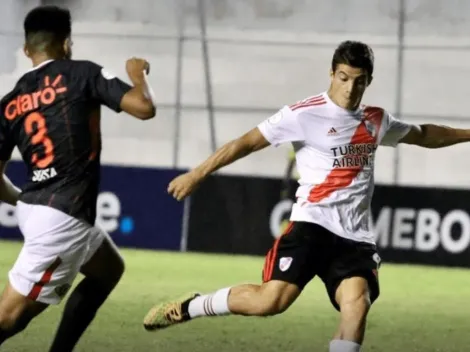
[[44, 63], [339, 108]]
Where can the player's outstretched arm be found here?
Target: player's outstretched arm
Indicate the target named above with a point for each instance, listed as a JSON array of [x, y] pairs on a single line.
[[182, 186], [9, 193], [137, 102], [435, 136], [250, 142]]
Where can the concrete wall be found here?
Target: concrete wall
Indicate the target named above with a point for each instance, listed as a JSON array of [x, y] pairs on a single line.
[[252, 78]]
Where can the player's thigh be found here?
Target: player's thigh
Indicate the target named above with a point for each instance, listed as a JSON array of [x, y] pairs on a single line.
[[54, 248], [290, 259], [353, 273], [103, 260]]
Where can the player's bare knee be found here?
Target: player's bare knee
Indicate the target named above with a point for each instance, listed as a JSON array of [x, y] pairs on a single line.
[[271, 306], [279, 306], [273, 301], [353, 297], [356, 307]]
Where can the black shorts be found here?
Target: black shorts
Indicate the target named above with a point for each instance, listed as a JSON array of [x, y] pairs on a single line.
[[306, 250]]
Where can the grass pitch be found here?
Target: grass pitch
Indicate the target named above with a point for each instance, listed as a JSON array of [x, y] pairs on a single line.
[[420, 309]]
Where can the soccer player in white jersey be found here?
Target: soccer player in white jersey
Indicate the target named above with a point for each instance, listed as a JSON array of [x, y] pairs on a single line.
[[330, 234]]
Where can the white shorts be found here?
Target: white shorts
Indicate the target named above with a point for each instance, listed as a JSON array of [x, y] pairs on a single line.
[[56, 245]]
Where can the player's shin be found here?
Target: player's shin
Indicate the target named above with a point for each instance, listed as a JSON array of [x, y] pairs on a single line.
[[79, 312], [248, 300]]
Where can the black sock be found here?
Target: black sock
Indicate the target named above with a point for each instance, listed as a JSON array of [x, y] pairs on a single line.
[[79, 312]]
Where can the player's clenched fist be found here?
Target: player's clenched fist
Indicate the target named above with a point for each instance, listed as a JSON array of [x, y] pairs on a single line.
[[183, 185], [135, 66]]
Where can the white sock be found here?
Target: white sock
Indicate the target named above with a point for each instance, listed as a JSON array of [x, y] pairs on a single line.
[[344, 346], [210, 305]]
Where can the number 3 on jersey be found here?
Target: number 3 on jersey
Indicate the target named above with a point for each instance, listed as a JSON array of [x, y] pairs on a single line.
[[39, 136]]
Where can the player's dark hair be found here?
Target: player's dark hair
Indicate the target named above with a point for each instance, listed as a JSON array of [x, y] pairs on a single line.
[[45, 26], [354, 54]]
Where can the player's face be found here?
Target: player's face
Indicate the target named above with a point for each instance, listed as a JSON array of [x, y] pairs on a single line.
[[348, 85]]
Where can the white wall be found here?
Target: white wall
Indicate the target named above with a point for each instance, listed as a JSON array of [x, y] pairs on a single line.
[[265, 77]]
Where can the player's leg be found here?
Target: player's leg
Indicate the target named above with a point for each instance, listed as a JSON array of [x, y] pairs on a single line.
[[287, 270], [16, 312], [102, 271], [45, 268], [353, 298], [267, 299], [353, 287]]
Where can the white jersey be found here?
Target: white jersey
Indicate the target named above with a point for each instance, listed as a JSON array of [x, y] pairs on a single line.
[[335, 150]]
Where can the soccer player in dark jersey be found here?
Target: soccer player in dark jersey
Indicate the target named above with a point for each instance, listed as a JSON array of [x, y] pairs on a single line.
[[53, 116]]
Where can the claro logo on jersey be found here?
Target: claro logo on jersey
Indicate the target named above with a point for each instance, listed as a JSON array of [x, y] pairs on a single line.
[[27, 102], [423, 230], [354, 155], [108, 215]]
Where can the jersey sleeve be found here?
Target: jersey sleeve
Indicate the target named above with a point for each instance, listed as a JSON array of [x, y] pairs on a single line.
[[105, 87], [282, 127], [395, 130]]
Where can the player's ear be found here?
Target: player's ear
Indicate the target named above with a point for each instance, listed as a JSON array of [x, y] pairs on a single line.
[[370, 80], [332, 73], [26, 50], [67, 47]]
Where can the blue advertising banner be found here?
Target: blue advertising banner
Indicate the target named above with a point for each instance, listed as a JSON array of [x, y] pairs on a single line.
[[413, 225], [132, 206]]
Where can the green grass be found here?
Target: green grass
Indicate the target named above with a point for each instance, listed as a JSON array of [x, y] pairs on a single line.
[[420, 309]]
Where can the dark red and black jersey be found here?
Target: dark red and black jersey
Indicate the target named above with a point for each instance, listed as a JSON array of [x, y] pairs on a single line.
[[53, 117]]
